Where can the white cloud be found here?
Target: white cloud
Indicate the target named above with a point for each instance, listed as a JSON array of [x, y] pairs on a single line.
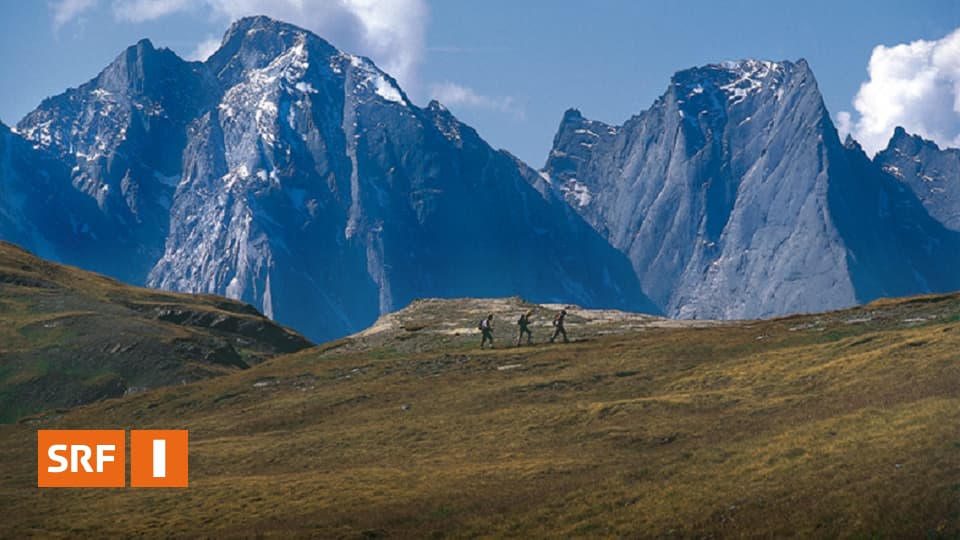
[[915, 85], [393, 33], [204, 49], [456, 95], [65, 11], [844, 123], [146, 10]]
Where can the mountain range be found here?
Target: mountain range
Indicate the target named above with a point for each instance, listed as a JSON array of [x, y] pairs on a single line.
[[301, 179], [734, 198]]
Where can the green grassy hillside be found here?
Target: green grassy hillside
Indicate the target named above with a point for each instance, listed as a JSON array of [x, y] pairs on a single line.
[[843, 424], [69, 337]]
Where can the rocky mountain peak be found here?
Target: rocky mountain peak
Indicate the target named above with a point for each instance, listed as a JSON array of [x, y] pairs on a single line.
[[254, 42], [571, 115], [931, 173], [904, 142], [851, 144], [722, 190], [719, 86]]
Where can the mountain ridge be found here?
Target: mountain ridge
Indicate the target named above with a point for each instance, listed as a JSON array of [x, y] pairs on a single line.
[[731, 197], [932, 173], [309, 185]]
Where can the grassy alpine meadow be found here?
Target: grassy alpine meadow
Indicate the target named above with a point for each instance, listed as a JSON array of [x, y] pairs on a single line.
[[843, 424], [69, 337]]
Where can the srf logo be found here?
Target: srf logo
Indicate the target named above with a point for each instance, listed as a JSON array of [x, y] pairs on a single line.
[[80, 458], [158, 458], [97, 458]]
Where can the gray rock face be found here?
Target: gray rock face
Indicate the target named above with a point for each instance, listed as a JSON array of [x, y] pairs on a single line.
[[302, 180], [931, 173], [122, 136], [40, 208], [894, 247], [725, 196], [21, 195]]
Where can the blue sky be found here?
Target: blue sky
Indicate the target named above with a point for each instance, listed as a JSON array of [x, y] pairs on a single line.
[[511, 68]]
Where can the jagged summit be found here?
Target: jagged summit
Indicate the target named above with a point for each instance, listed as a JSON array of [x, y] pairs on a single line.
[[931, 173], [732, 195], [851, 143], [906, 142], [748, 68], [255, 42], [572, 115], [257, 23], [280, 52], [737, 81], [266, 34]]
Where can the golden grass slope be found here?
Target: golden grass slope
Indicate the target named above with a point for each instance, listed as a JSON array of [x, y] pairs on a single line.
[[843, 424]]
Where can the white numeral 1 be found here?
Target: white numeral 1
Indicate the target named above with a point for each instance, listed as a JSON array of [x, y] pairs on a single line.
[[159, 458]]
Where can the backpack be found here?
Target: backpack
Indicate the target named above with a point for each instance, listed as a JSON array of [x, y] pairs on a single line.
[[480, 324], [522, 320]]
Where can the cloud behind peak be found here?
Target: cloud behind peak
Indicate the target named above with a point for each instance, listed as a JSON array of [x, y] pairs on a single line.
[[915, 85]]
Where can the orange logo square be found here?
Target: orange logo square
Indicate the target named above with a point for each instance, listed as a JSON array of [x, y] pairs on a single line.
[[81, 458], [158, 458]]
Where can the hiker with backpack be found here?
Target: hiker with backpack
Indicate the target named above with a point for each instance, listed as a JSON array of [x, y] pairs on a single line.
[[558, 324], [486, 328], [524, 323]]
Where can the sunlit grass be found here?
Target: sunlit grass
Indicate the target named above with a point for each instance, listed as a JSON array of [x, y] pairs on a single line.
[[821, 426]]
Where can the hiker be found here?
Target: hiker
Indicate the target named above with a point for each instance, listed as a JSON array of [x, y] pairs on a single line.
[[486, 327], [558, 324], [524, 324]]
